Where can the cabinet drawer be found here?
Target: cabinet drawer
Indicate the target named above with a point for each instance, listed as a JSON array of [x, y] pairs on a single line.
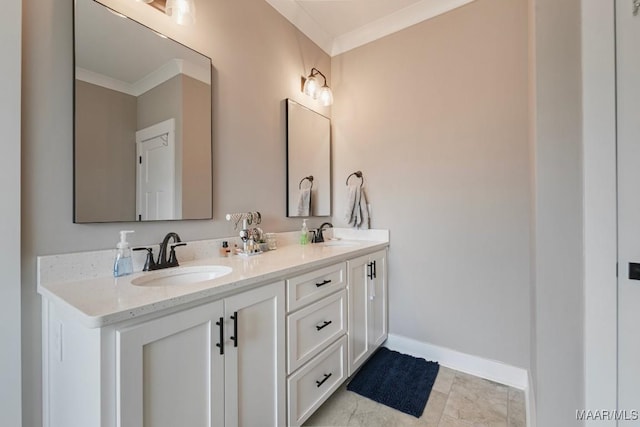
[[316, 381], [307, 288], [311, 329]]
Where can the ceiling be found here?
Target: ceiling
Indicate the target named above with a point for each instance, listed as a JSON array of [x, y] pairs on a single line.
[[341, 25]]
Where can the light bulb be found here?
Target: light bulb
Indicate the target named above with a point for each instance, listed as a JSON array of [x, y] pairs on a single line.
[[326, 96], [182, 12], [311, 87]]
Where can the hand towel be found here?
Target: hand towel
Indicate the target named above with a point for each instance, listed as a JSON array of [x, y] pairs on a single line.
[[351, 207], [364, 212], [304, 202], [357, 210]]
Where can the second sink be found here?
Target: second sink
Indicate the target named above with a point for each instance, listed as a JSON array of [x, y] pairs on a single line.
[[183, 276]]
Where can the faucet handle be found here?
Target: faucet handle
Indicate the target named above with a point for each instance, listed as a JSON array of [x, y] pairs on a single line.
[[149, 263], [173, 260]]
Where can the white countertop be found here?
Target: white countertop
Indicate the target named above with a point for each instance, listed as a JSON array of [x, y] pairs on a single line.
[[101, 301]]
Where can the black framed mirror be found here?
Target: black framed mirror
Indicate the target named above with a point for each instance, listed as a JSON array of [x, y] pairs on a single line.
[[142, 122], [308, 162]]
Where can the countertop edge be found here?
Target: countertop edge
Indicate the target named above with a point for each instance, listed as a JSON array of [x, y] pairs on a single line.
[[204, 295]]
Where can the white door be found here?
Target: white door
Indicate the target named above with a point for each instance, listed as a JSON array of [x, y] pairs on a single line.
[[170, 371], [156, 172], [255, 358], [628, 116]]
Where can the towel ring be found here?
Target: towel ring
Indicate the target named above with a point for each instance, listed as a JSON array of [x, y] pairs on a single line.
[[308, 178], [357, 174]]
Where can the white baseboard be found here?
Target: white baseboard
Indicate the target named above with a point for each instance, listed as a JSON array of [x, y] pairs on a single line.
[[484, 368]]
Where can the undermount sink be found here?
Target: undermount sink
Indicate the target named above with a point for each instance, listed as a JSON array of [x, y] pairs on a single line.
[[182, 276], [343, 243]]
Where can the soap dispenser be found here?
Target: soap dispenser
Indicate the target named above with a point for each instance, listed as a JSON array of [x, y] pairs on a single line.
[[304, 233], [123, 264]]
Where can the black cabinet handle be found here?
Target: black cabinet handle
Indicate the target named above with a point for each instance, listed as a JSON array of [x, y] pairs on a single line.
[[324, 325], [370, 270], [326, 282], [234, 338], [220, 345], [320, 382], [375, 270]]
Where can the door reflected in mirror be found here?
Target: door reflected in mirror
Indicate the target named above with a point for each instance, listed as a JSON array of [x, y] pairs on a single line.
[[142, 145], [308, 162]]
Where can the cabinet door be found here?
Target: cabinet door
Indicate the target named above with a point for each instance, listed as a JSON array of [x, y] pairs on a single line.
[[255, 358], [170, 371], [378, 301], [358, 313]]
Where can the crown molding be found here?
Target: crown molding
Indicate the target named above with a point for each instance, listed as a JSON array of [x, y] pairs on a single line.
[[403, 18], [148, 82], [101, 80], [304, 22]]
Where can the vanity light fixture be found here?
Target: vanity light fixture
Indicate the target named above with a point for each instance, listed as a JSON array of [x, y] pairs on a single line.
[[182, 12], [312, 88]]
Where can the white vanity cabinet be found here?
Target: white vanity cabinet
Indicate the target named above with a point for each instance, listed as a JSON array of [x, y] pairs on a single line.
[[263, 346], [316, 339], [213, 365], [367, 306], [168, 371]]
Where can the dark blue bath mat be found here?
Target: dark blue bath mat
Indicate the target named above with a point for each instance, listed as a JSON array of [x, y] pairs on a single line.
[[397, 380]]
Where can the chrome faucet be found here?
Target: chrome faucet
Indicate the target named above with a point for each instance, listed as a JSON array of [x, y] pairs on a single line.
[[317, 233], [163, 262]]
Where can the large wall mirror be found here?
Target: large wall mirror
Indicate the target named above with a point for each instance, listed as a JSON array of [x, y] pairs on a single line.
[[142, 146], [308, 162]]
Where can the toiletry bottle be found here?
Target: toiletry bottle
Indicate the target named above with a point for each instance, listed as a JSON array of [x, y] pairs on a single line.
[[224, 250], [123, 264], [304, 233]]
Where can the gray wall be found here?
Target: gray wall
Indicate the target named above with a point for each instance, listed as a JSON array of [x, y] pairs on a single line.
[[436, 117], [10, 378], [242, 37], [105, 154], [196, 148], [559, 342]]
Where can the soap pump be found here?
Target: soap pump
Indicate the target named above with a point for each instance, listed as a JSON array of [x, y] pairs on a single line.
[[304, 233], [123, 264]]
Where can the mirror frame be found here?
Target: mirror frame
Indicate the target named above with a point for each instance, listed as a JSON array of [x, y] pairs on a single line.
[[289, 208], [74, 105]]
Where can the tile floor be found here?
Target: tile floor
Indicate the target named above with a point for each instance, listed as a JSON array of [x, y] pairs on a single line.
[[457, 400]]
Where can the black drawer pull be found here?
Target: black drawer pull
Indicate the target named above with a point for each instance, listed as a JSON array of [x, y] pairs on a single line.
[[324, 325], [220, 345], [326, 377], [326, 282]]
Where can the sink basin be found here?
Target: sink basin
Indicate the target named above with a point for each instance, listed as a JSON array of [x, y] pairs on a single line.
[[182, 276], [343, 243]]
